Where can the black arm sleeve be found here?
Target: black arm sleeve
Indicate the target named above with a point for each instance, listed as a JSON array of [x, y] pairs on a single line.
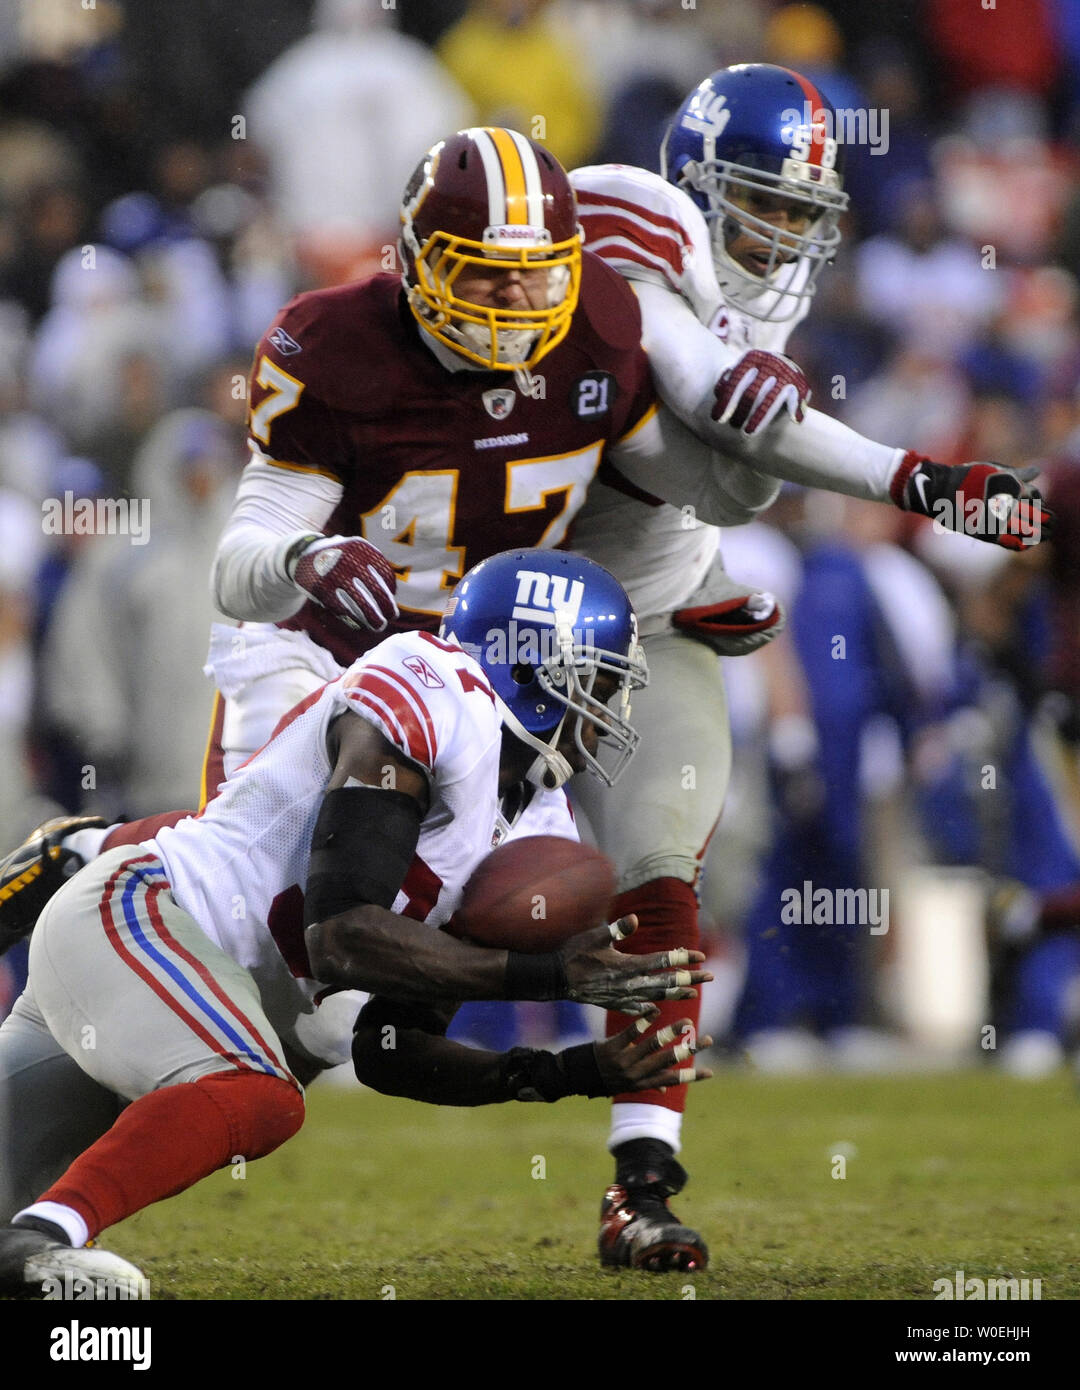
[[363, 844], [401, 1050]]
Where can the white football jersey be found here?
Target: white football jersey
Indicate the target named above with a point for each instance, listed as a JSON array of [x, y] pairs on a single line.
[[649, 230], [239, 868], [652, 232]]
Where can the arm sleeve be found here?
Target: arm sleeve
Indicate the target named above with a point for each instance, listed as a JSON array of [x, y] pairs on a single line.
[[664, 460], [274, 507], [401, 1049], [687, 360]]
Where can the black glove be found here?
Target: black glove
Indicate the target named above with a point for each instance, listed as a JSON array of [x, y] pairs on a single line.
[[985, 500]]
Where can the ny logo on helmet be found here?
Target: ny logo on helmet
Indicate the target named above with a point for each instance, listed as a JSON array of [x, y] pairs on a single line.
[[710, 118], [540, 597]]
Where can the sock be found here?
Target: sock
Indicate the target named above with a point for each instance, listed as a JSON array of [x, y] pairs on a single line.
[[136, 831], [667, 912], [51, 1219], [167, 1140], [630, 1121]]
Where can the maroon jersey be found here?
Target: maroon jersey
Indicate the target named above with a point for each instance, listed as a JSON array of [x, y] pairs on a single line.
[[440, 468]]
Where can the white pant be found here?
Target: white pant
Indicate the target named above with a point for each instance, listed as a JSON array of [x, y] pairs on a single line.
[[126, 995], [656, 820]]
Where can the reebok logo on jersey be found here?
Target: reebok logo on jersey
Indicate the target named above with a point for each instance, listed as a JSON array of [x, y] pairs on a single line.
[[284, 342], [423, 672], [540, 597]]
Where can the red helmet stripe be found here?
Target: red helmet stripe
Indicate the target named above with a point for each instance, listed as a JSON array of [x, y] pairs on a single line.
[[816, 102]]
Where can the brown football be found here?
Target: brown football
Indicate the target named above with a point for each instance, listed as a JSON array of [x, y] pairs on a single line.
[[534, 893]]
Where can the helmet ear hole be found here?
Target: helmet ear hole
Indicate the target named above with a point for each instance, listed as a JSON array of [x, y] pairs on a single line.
[[523, 673]]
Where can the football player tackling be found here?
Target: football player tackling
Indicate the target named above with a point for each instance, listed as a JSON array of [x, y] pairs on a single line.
[[204, 975], [724, 252]]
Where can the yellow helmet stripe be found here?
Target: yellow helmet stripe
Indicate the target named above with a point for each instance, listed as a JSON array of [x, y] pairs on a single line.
[[517, 203], [534, 189]]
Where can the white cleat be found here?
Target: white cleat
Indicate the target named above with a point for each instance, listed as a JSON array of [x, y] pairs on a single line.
[[35, 1265]]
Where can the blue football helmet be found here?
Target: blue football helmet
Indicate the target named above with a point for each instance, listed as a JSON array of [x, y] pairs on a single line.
[[749, 138], [545, 626]]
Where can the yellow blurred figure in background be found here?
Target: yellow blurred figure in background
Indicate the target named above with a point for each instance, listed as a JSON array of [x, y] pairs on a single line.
[[521, 73]]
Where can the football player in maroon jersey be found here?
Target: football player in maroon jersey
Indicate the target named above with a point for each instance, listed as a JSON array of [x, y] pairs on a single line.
[[402, 429]]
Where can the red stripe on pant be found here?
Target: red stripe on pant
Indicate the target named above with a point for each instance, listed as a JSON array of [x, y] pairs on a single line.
[[667, 913], [112, 935], [228, 1005]]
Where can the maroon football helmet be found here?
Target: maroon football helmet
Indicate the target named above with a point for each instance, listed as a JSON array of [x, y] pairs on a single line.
[[490, 194]]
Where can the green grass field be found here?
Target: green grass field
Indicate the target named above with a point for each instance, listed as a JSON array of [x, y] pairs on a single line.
[[967, 1171]]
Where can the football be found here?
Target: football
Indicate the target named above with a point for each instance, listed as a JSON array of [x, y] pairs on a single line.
[[533, 893]]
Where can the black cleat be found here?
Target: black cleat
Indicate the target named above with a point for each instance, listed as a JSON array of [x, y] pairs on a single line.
[[36, 1265], [31, 874], [638, 1228]]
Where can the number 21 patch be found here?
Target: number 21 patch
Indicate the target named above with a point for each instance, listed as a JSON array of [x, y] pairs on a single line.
[[593, 394]]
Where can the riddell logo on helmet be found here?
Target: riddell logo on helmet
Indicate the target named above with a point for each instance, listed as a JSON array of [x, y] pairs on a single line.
[[536, 236]]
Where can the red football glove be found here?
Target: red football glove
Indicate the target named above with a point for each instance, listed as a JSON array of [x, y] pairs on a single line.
[[735, 626], [752, 393], [349, 578], [985, 500]]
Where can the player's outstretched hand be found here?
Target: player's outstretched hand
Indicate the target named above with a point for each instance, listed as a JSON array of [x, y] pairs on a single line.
[[752, 393], [985, 500], [598, 974], [630, 1062], [348, 577]]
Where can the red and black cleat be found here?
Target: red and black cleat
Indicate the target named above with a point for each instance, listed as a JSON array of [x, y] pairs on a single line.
[[31, 874], [639, 1229]]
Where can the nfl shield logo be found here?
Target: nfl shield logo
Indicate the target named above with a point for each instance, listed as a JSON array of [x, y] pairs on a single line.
[[499, 403]]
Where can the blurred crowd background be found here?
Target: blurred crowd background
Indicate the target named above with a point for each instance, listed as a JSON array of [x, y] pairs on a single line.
[[208, 160]]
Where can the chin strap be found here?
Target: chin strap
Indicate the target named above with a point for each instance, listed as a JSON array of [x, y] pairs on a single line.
[[549, 770], [529, 385]]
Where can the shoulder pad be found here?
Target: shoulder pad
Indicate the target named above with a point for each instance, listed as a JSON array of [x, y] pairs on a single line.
[[320, 336], [648, 230], [409, 686], [607, 310]]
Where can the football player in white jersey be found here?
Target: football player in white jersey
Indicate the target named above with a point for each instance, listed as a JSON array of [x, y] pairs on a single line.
[[217, 965], [724, 251]]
